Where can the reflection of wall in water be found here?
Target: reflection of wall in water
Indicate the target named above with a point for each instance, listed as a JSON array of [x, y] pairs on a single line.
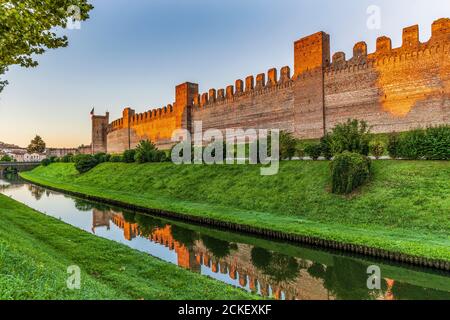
[[36, 191], [238, 265]]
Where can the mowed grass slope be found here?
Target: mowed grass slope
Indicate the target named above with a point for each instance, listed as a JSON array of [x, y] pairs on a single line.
[[35, 251], [404, 208]]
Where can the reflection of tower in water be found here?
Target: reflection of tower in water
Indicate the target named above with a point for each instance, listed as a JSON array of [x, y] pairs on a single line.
[[163, 236], [100, 219], [388, 294], [37, 192]]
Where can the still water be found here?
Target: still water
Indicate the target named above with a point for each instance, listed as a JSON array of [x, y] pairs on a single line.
[[276, 269]]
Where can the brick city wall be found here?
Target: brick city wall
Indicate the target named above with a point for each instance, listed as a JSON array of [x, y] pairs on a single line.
[[257, 105], [156, 125], [393, 89]]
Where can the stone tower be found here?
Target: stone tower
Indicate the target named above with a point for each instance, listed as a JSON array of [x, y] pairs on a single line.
[[184, 97], [99, 132], [311, 57]]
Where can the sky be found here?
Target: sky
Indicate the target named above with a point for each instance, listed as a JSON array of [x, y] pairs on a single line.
[[134, 53]]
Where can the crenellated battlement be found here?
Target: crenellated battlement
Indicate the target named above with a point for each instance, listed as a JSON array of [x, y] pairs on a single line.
[[391, 88], [395, 57], [233, 93], [151, 115], [141, 118], [411, 49]]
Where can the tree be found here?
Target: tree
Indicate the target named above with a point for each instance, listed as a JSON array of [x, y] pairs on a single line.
[[27, 29], [277, 266], [6, 158], [37, 145], [288, 145], [219, 248]]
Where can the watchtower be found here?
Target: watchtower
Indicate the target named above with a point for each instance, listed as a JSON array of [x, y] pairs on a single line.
[[99, 132]]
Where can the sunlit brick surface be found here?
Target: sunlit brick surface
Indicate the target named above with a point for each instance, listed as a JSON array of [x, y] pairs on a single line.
[[393, 89]]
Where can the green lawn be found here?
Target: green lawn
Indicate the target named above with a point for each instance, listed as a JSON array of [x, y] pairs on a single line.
[[35, 251], [405, 208]]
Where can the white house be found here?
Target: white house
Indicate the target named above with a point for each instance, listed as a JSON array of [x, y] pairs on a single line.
[[33, 157], [16, 154]]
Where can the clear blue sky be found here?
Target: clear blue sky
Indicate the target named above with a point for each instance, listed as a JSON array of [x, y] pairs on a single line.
[[133, 53]]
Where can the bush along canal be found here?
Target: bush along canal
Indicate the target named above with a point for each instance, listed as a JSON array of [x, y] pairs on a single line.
[[277, 269]]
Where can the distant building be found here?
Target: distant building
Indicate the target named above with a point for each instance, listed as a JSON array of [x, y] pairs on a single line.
[[85, 149], [60, 152], [16, 154], [21, 155], [33, 157]]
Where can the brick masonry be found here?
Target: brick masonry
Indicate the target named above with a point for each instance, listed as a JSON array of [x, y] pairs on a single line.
[[393, 89]]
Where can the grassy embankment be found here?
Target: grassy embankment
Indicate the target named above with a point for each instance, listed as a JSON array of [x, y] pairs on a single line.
[[403, 209], [35, 251]]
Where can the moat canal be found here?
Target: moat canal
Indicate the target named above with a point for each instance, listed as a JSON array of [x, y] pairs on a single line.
[[275, 269]]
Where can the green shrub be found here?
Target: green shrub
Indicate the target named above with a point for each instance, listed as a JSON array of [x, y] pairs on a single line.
[[213, 147], [77, 156], [85, 162], [46, 162], [194, 149], [393, 145], [432, 143], [352, 136], [437, 143], [325, 145], [287, 145], [412, 144], [349, 170], [167, 155], [314, 150], [116, 158], [181, 152], [102, 157], [146, 151], [300, 151], [67, 158], [302, 146], [377, 148], [128, 156], [162, 156], [54, 159]]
